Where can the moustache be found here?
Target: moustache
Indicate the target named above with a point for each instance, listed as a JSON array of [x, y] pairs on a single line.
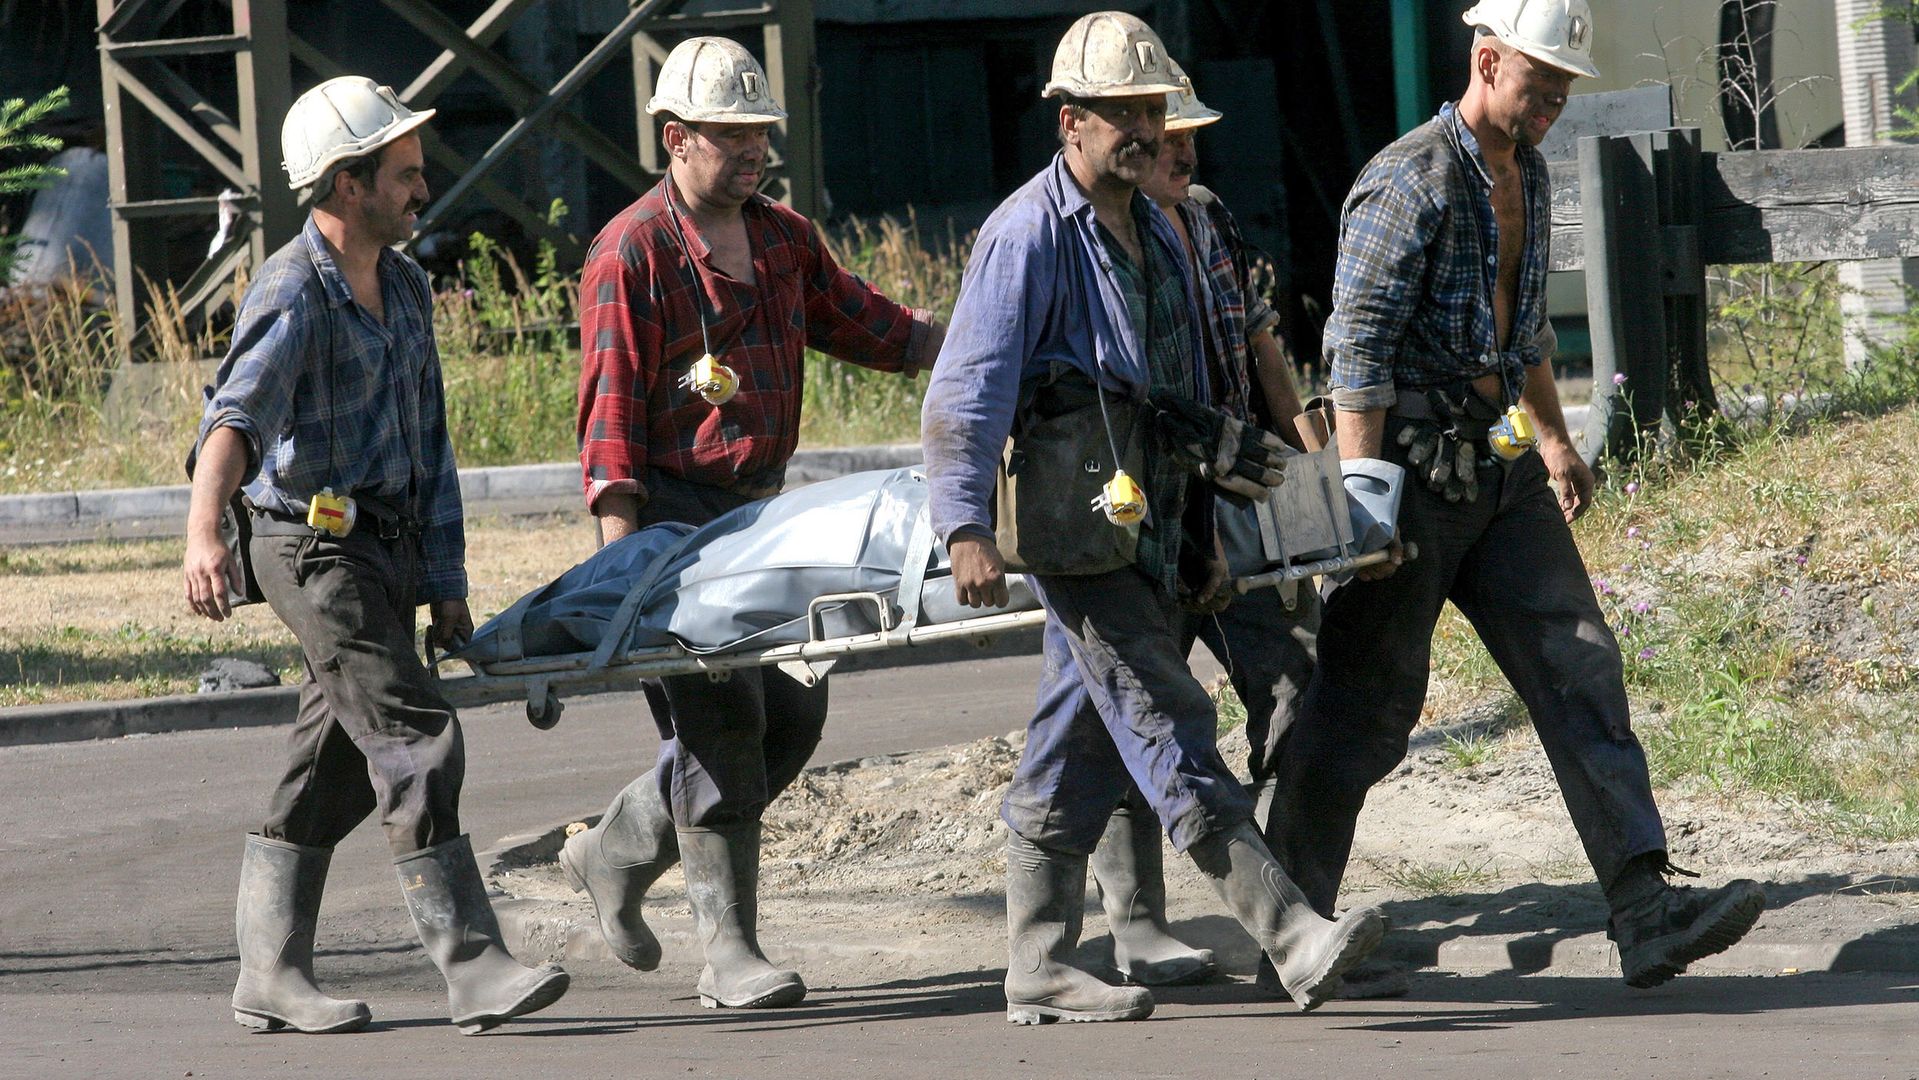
[[1139, 148]]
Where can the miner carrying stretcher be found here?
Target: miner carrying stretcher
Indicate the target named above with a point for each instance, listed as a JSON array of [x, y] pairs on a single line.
[[328, 408], [696, 307], [1077, 333], [1440, 355]]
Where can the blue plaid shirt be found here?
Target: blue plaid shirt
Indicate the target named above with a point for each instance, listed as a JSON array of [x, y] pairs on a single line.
[[1039, 290], [1418, 266], [325, 395]]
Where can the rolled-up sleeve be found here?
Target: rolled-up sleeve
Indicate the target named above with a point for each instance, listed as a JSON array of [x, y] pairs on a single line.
[[1389, 220], [848, 319], [253, 391], [622, 344], [974, 392]]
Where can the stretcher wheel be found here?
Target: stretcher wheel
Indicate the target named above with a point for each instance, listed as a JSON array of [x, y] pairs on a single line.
[[545, 712]]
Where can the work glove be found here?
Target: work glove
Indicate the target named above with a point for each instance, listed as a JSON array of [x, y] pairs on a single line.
[[1444, 460], [1241, 459]]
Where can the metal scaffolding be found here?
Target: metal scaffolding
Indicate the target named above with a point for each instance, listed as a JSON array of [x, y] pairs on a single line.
[[145, 99]]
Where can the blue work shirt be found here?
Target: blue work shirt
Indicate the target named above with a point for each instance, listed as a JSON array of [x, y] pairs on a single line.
[[325, 395], [1039, 290], [1418, 271]]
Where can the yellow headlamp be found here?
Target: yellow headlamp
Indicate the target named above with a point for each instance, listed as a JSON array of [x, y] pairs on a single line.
[[712, 380], [1121, 500], [1513, 435]]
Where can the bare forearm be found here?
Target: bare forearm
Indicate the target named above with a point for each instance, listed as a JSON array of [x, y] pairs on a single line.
[[1274, 369], [1361, 433], [1540, 396], [216, 476], [619, 514]]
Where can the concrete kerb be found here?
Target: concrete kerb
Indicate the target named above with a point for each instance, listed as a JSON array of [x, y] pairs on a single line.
[[35, 724], [72, 516], [540, 929]]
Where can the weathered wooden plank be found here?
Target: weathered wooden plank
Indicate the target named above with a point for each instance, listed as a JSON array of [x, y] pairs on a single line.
[[1804, 205], [1611, 112], [1783, 206]]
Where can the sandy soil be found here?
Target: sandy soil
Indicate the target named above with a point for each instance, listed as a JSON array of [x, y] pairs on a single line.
[[904, 847]]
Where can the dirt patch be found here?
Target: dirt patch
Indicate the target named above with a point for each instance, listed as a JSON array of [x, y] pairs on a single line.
[[1468, 838], [1842, 624]]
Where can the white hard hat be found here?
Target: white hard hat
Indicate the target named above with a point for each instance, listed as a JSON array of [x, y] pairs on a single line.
[[1111, 54], [1184, 110], [714, 80], [341, 118], [1556, 32]]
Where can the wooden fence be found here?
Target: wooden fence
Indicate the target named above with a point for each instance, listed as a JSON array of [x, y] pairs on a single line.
[[1644, 215]]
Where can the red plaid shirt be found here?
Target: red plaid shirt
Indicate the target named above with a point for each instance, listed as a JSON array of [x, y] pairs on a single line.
[[640, 333]]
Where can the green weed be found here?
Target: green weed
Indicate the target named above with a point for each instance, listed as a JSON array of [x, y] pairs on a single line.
[[1470, 751], [1232, 712], [1437, 879]]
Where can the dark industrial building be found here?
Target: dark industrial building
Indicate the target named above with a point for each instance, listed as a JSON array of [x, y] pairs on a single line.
[[928, 105]]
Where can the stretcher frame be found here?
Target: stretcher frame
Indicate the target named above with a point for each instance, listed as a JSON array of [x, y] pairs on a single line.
[[540, 681]]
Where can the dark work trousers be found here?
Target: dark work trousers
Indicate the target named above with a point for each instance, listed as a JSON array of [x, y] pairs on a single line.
[[727, 748], [373, 732], [1137, 718], [1508, 562], [1267, 652]]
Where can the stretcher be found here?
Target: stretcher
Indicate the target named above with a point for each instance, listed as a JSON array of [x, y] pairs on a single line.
[[1318, 522]]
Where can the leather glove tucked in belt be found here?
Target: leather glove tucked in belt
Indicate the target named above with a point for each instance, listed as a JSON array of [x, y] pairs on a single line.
[[1445, 461], [1242, 459]]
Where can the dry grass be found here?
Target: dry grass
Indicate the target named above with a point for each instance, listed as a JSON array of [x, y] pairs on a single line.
[[1766, 601], [511, 375], [107, 621]]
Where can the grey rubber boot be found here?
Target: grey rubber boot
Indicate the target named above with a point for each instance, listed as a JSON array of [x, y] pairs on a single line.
[[1045, 905], [1129, 867], [280, 888], [1310, 953], [722, 885], [617, 860], [450, 909]]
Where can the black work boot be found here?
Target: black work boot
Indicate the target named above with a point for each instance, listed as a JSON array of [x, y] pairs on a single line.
[[280, 887], [1045, 906], [616, 861], [1309, 953], [1663, 931], [450, 909], [1129, 869], [722, 885]]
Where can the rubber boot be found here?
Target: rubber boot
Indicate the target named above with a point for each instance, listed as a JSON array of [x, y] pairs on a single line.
[[450, 909], [1129, 869], [616, 861], [722, 884], [280, 887], [1045, 905], [1310, 953]]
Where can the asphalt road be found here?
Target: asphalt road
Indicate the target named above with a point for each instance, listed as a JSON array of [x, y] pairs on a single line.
[[116, 948]]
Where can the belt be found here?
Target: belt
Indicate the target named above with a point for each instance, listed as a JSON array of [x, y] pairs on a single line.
[[1418, 405], [374, 512]]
